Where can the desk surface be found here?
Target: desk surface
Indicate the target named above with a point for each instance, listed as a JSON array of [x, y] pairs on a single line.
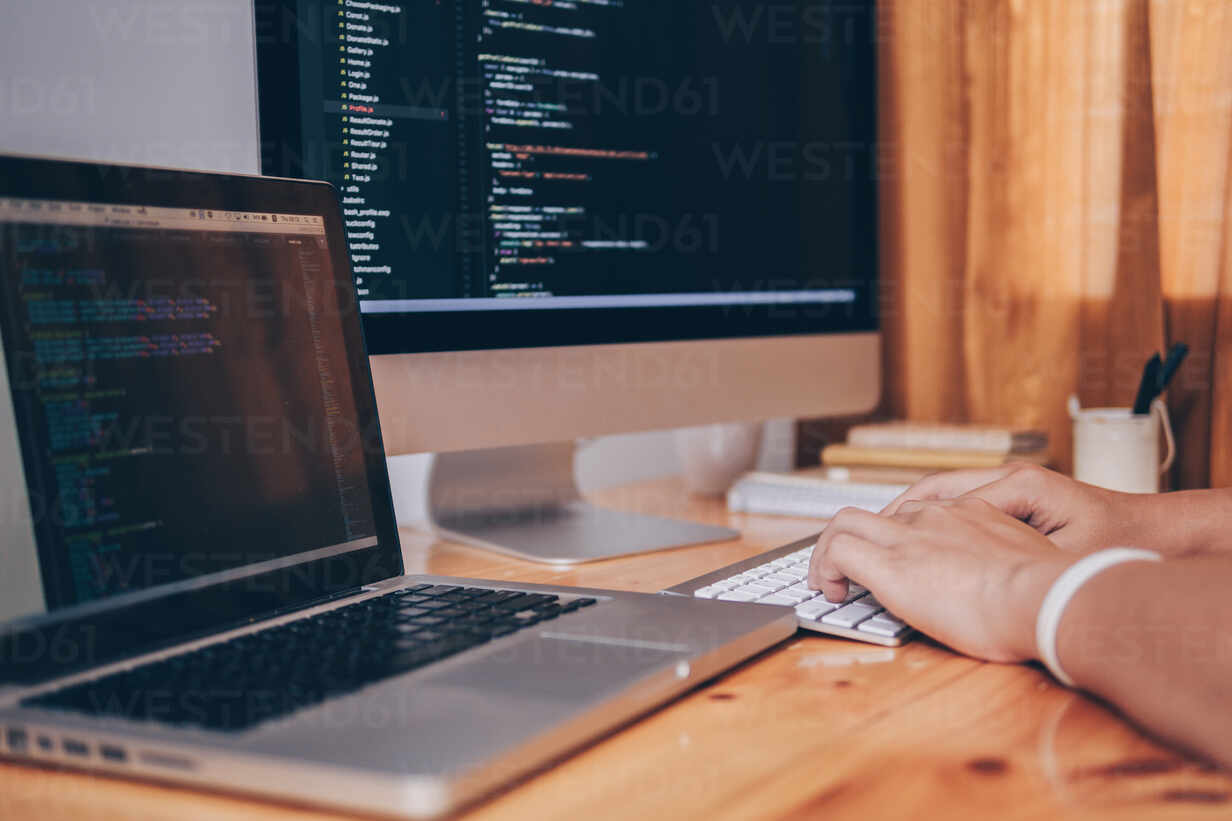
[[815, 726]]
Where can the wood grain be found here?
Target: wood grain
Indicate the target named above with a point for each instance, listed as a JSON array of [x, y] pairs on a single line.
[[1192, 88], [1221, 397], [1056, 208], [924, 208], [1122, 321], [816, 727], [1024, 225]]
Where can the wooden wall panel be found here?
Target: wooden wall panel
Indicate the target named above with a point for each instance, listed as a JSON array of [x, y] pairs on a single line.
[[1122, 317], [1055, 207], [1221, 398], [1191, 59], [1024, 216], [923, 195]]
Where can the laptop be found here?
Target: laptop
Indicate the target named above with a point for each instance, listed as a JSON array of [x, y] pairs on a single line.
[[200, 578]]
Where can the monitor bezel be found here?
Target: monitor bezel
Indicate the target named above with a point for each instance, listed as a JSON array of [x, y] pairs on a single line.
[[49, 646]]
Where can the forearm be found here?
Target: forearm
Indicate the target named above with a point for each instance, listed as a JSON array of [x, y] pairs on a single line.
[[1183, 523], [1154, 640]]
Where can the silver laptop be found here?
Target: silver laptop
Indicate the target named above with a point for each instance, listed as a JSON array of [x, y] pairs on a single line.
[[200, 576]]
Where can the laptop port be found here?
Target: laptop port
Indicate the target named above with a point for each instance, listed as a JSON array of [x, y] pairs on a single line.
[[173, 762], [116, 755], [74, 747], [17, 739], [45, 744]]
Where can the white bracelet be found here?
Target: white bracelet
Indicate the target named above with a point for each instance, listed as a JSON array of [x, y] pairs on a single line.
[[1064, 588]]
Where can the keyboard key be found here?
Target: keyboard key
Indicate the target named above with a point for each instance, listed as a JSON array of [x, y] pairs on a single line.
[[549, 611], [849, 615], [889, 629], [777, 598], [499, 596], [785, 578], [797, 596], [815, 609], [519, 602], [707, 592], [737, 595], [766, 584]]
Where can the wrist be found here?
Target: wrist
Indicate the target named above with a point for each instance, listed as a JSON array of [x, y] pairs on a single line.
[[1149, 521], [1188, 522], [1068, 587], [1029, 586]]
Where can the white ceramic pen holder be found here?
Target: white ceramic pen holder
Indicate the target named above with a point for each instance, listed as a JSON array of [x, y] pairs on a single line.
[[1119, 450]]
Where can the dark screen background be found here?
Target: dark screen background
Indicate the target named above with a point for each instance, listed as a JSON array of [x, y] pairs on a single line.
[[184, 402], [748, 131]]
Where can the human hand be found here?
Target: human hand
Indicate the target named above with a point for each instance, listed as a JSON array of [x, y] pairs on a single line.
[[1077, 517], [959, 570]]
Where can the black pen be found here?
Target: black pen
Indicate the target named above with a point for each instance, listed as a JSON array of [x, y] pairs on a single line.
[[1175, 357], [1148, 388]]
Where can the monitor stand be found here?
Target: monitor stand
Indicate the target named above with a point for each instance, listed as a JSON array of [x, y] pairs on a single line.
[[524, 501]]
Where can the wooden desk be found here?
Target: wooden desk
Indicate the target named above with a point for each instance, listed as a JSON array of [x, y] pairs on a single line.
[[813, 727]]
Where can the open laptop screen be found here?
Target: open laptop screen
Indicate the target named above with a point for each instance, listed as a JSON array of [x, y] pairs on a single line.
[[176, 403]]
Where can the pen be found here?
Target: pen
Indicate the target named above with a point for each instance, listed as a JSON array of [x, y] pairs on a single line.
[[1148, 388], [1175, 357]]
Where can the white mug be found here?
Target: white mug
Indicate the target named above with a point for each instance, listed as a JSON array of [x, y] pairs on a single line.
[[712, 457], [1118, 450]]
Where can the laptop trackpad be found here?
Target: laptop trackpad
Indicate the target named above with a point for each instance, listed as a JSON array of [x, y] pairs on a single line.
[[468, 712], [562, 666]]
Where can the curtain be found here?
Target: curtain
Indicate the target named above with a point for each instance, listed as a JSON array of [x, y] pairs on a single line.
[[1056, 206]]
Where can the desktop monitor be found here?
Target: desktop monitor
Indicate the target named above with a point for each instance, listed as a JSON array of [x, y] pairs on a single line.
[[580, 217]]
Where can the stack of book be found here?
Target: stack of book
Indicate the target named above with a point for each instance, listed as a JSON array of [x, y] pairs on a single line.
[[904, 452]]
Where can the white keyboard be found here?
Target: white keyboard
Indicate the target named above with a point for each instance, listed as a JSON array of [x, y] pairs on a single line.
[[782, 581]]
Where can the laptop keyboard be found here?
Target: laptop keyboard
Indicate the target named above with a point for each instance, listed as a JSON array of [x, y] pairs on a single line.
[[237, 684]]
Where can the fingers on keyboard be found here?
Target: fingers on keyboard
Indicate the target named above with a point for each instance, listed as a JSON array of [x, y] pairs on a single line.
[[781, 582]]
